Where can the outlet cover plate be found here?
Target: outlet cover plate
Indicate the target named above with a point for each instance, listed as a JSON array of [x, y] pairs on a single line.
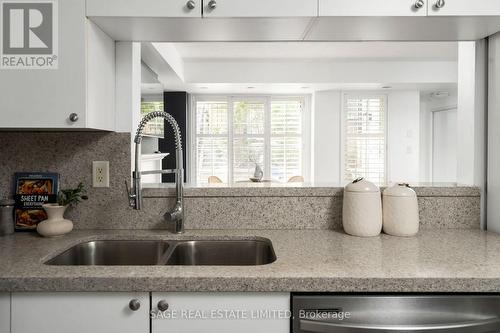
[[100, 173]]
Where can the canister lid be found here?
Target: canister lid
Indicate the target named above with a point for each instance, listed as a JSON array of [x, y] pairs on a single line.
[[400, 190], [362, 185], [6, 202]]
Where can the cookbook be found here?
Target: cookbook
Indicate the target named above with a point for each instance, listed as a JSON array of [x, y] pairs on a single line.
[[32, 190]]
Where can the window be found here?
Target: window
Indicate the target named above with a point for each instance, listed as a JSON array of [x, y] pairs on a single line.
[[286, 139], [234, 133], [151, 103], [212, 140], [365, 137]]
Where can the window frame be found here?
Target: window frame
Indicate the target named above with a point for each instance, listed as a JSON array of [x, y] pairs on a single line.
[[267, 99], [343, 120]]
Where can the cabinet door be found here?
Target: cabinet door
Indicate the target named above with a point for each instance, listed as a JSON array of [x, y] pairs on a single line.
[[79, 312], [38, 98], [464, 8], [4, 312], [221, 313], [372, 8], [260, 8], [144, 8]]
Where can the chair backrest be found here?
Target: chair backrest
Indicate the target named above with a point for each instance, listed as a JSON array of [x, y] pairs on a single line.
[[214, 180], [296, 179]]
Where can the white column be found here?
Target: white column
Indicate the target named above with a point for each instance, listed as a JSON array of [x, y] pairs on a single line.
[[471, 115], [326, 137], [128, 89], [128, 86]]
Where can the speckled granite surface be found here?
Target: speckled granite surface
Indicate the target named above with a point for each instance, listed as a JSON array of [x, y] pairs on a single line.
[[312, 260], [71, 155], [296, 189], [242, 206]]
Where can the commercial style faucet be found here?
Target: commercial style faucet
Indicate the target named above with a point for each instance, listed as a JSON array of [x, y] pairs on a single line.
[[176, 215]]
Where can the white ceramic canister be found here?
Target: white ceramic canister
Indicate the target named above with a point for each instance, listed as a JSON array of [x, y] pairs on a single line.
[[400, 207], [362, 209]]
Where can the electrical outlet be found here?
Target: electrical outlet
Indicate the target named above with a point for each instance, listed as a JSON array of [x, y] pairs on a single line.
[[100, 174]]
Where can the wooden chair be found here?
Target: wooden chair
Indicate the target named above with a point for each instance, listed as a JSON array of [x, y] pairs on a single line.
[[214, 180], [296, 179]]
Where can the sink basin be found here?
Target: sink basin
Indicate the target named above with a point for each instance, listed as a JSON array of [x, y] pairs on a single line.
[[222, 253], [114, 252], [150, 253]]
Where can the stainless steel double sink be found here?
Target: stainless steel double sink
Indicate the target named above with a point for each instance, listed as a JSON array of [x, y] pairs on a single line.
[[167, 252]]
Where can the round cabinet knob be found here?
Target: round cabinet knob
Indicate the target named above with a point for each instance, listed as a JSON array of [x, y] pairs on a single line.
[[212, 4], [440, 4], [134, 305], [73, 117], [162, 305], [191, 4], [419, 4]]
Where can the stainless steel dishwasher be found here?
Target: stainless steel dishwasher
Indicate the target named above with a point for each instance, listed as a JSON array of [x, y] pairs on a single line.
[[396, 313]]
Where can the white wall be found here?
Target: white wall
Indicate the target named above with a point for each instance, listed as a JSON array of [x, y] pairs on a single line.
[[425, 141], [465, 112], [128, 86], [471, 113], [100, 78], [403, 136], [128, 89], [471, 117], [429, 104], [318, 71], [493, 189], [327, 111]]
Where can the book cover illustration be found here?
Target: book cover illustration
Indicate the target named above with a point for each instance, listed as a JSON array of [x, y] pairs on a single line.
[[32, 190]]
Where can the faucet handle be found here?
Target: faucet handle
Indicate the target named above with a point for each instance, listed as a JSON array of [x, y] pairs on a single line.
[[130, 195], [175, 214], [177, 217]]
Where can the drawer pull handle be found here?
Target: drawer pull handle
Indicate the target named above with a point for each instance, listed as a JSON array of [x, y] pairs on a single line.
[[134, 305], [162, 305]]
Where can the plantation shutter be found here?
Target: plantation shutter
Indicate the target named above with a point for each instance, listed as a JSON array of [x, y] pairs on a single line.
[[248, 137], [211, 140], [233, 133], [286, 139], [365, 138]]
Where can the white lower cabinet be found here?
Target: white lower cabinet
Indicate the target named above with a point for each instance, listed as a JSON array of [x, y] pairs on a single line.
[[79, 312], [183, 312], [221, 312], [4, 312]]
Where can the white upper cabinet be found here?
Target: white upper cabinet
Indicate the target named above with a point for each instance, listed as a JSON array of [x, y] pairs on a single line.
[[82, 84], [144, 8], [373, 7], [80, 312], [260, 8], [464, 7]]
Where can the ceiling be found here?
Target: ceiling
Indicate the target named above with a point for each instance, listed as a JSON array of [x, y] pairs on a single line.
[[322, 50], [199, 57], [285, 88]]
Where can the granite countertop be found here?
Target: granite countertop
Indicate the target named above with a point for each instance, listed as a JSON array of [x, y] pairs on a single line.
[[296, 189], [308, 260]]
